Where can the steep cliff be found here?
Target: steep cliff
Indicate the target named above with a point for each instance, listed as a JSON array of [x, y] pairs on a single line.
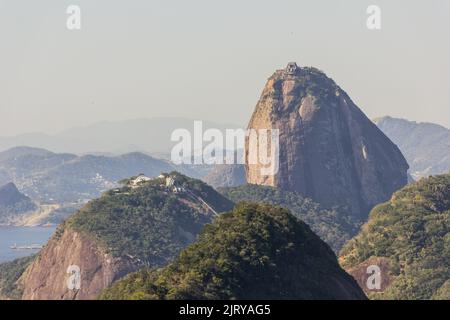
[[226, 175], [124, 230], [47, 277], [329, 150], [426, 146]]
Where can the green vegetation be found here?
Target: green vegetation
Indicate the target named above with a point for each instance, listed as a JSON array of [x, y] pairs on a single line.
[[10, 273], [412, 231], [254, 252], [330, 225], [150, 223], [443, 293], [313, 82]]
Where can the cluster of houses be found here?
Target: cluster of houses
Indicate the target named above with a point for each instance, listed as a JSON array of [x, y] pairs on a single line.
[[169, 182]]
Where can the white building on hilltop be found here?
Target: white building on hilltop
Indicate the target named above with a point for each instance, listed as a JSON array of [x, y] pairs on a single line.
[[291, 68], [172, 185], [170, 182], [139, 180]]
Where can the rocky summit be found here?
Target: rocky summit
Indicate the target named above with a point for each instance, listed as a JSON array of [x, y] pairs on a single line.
[[146, 223], [13, 203], [426, 146], [329, 150]]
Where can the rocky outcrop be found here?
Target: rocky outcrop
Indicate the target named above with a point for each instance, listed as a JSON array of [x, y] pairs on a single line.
[[329, 150], [14, 205], [10, 196], [47, 278], [128, 228], [372, 267], [226, 175]]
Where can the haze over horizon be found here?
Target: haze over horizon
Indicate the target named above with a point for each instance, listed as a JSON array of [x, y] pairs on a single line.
[[222, 125], [150, 59]]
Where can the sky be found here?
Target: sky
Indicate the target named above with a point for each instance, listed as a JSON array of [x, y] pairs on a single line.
[[208, 59]]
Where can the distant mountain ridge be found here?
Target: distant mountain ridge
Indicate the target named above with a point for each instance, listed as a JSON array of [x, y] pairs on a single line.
[[426, 146], [64, 182], [51, 177], [146, 135]]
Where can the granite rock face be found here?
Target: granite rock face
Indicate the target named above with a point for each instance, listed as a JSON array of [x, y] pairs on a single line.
[[47, 277], [328, 149], [126, 229], [226, 175]]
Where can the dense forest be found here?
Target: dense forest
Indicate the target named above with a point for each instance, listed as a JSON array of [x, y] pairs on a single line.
[[412, 232], [254, 252], [151, 222], [10, 273], [333, 226]]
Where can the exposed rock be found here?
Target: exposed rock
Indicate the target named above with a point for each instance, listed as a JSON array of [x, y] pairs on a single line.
[[362, 273], [47, 277], [13, 204], [226, 175], [329, 150], [126, 229]]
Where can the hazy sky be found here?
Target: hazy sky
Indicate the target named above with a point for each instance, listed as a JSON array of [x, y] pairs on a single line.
[[210, 59]]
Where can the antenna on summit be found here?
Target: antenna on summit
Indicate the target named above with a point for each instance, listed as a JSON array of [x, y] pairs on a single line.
[[291, 68]]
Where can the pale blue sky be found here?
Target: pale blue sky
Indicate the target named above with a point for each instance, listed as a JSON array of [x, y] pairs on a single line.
[[210, 59]]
